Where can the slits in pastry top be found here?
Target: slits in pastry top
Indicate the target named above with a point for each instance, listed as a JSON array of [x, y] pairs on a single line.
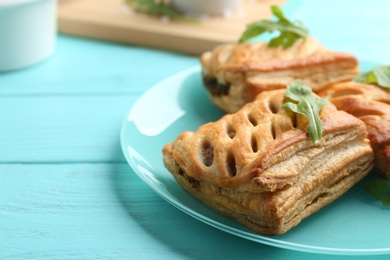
[[235, 73], [372, 105], [259, 166], [246, 150]]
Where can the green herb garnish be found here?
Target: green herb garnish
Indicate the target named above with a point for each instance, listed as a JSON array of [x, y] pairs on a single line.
[[289, 32], [162, 8], [307, 104], [379, 75], [380, 189]]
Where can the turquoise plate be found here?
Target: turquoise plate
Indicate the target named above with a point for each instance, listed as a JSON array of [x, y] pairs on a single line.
[[355, 224]]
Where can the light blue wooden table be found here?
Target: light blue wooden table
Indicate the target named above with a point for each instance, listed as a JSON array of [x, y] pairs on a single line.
[[66, 191]]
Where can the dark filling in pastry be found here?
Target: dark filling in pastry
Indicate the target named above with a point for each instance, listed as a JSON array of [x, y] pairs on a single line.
[[214, 87]]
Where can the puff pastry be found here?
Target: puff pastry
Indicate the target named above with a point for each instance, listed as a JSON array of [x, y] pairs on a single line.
[[235, 73], [259, 166], [372, 105]]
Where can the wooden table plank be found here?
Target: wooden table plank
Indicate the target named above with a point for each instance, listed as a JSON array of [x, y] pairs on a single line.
[[66, 191], [62, 128], [104, 211], [83, 66]]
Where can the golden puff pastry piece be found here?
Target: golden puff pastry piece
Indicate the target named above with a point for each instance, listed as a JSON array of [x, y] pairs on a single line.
[[235, 73], [371, 104], [259, 166]]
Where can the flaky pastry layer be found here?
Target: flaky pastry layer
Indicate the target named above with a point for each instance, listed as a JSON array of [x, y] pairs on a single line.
[[259, 166], [371, 104], [235, 73]]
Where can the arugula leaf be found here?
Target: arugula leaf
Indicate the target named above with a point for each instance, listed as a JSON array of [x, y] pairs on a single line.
[[379, 75], [289, 32], [307, 104], [161, 7], [380, 189]]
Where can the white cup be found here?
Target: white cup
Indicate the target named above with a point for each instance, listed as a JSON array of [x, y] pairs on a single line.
[[27, 32]]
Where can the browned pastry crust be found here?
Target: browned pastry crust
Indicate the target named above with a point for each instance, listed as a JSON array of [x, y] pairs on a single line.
[[259, 166], [235, 74], [372, 105]]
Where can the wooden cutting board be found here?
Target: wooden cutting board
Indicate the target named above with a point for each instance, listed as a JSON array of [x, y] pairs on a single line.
[[114, 20]]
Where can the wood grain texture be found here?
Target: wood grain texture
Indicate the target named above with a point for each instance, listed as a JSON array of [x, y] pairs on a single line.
[[86, 67], [64, 128], [66, 191], [70, 108], [104, 211], [114, 20]]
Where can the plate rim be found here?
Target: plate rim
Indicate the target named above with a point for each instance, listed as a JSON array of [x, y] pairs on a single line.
[[267, 240]]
